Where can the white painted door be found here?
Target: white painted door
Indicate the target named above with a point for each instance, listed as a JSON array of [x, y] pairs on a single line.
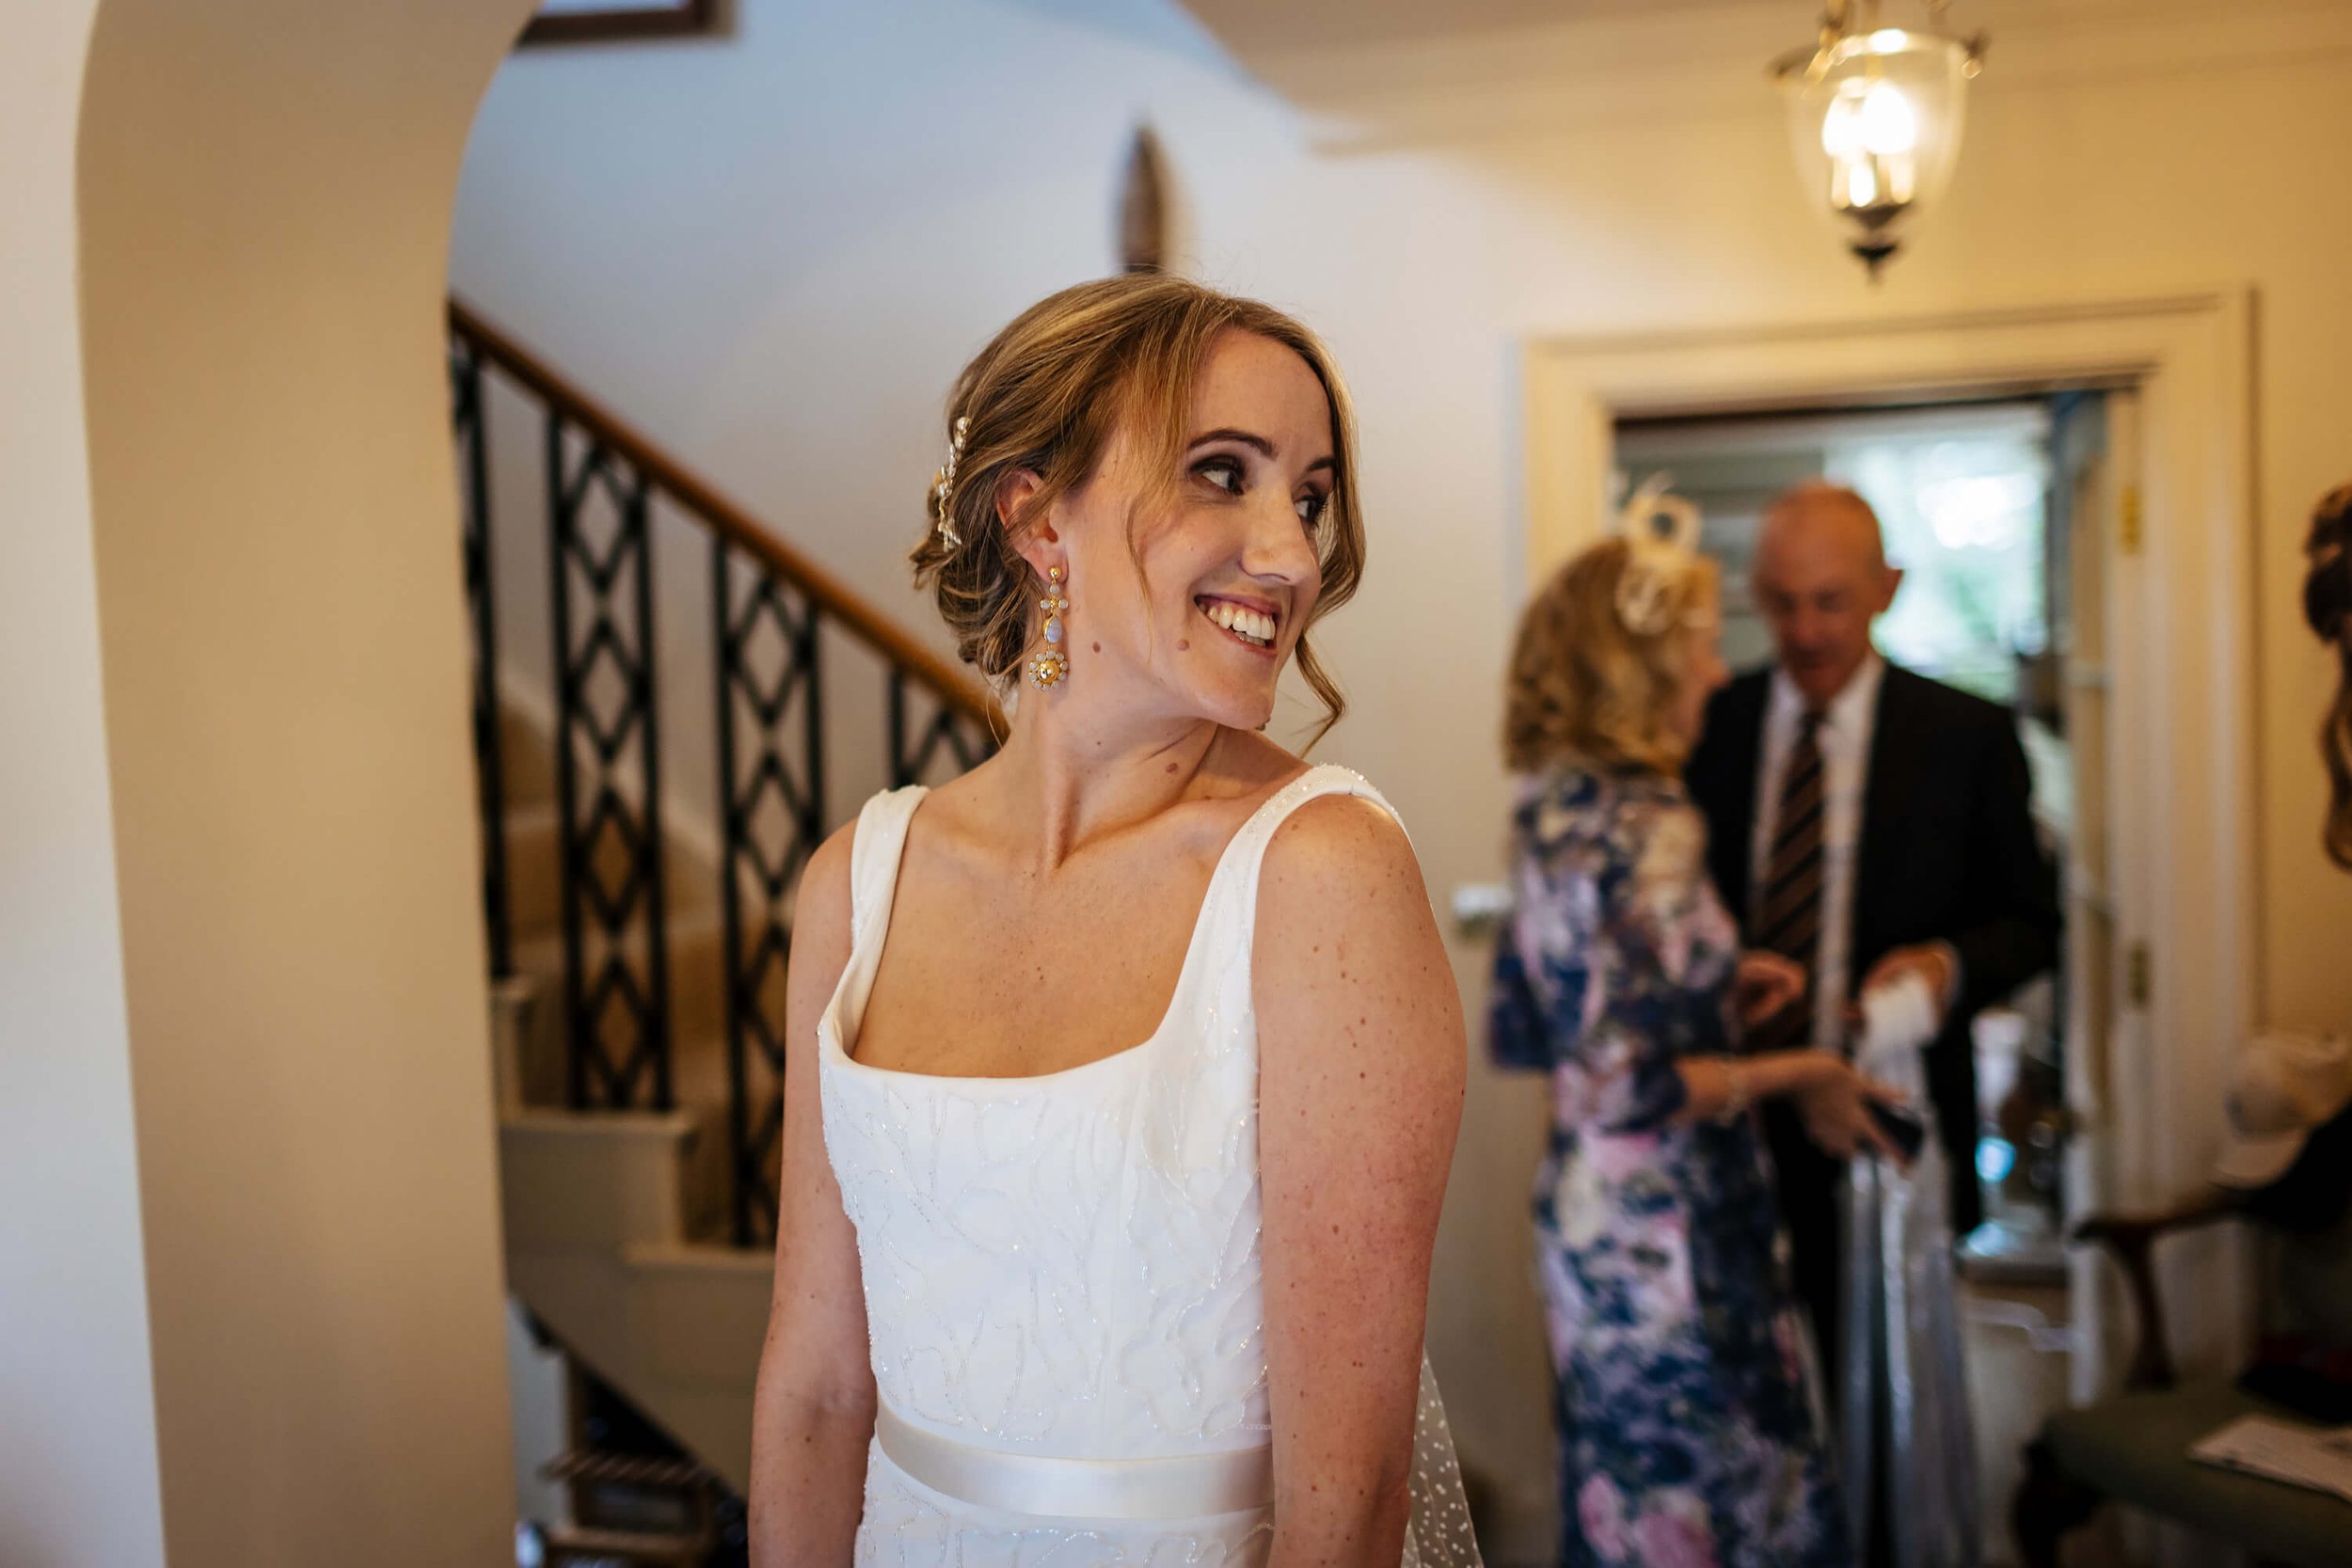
[[2105, 958]]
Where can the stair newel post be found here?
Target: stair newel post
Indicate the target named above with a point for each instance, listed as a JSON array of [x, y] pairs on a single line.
[[756, 770], [576, 1024], [813, 819], [810, 832], [650, 836], [731, 830], [812, 825], [615, 836], [471, 417], [901, 772]]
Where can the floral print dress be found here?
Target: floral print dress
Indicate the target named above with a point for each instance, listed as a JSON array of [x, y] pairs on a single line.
[[1689, 1427]]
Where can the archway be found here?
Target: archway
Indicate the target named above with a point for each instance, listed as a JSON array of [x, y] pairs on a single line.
[[278, 1028]]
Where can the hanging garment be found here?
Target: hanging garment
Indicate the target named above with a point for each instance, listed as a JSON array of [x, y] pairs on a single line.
[[1910, 1444]]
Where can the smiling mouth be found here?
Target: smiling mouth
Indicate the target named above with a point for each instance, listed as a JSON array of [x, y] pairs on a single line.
[[1251, 629]]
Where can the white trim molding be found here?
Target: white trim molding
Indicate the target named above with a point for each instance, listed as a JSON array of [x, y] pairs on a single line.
[[2185, 812], [1685, 63]]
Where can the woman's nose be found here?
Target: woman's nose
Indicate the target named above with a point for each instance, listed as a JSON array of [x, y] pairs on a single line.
[[1278, 544]]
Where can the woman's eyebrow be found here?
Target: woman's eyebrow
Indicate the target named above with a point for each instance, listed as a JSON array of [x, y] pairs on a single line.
[[1257, 443], [1244, 436]]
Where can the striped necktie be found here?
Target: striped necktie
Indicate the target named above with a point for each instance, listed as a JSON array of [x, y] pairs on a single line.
[[1786, 911]]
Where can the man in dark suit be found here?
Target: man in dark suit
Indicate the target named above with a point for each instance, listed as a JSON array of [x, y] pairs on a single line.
[[1867, 823]]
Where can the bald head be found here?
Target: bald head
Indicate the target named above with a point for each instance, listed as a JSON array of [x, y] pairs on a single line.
[[1821, 579], [1815, 515]]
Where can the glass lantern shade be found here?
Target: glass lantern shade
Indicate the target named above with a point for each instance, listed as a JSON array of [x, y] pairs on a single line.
[[1875, 122]]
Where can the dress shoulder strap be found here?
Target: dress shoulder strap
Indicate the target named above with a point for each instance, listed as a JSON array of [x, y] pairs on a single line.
[[1245, 858], [875, 849], [1216, 982]]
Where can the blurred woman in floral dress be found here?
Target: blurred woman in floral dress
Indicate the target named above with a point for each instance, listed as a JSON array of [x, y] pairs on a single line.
[[1689, 1427]]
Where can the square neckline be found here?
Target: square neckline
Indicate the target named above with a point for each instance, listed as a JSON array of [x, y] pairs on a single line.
[[834, 1048]]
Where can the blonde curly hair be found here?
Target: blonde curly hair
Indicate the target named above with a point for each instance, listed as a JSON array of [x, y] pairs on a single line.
[[1047, 395], [1585, 689]]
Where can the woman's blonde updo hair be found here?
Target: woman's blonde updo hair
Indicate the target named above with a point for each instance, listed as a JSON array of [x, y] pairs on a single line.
[[1049, 393], [1584, 689]]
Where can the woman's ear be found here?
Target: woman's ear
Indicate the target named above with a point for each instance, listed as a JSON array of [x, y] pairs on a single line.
[[1039, 544], [1013, 494]]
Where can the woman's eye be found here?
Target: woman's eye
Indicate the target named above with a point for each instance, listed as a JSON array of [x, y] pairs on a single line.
[[1222, 472], [1313, 507]]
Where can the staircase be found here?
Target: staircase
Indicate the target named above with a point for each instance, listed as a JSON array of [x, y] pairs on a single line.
[[637, 953], [617, 1221]]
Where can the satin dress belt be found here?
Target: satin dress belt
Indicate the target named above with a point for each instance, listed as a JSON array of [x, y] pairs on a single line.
[[1190, 1486]]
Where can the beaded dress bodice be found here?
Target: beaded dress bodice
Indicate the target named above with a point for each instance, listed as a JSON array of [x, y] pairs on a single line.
[[1064, 1265]]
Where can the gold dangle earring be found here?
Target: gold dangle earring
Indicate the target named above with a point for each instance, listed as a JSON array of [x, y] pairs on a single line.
[[1048, 668]]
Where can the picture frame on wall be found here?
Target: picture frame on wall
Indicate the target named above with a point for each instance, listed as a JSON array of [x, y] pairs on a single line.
[[597, 21]]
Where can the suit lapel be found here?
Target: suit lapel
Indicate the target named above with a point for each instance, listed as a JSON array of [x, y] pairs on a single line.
[[1743, 758], [1895, 762]]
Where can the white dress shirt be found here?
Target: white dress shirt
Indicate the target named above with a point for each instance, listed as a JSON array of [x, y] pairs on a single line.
[[1845, 741]]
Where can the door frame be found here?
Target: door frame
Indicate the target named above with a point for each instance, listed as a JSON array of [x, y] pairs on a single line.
[[2185, 802]]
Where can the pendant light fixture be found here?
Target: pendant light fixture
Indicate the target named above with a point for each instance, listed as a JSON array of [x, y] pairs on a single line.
[[1874, 115]]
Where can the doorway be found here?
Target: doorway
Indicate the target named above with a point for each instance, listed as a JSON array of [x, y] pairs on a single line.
[[2147, 646], [1992, 508], [1995, 509], [2160, 675]]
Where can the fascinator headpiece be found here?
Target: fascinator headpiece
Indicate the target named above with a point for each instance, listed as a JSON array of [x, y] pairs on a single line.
[[1662, 535]]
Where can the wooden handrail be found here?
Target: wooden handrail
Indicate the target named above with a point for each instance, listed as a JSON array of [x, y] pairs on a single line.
[[726, 518]]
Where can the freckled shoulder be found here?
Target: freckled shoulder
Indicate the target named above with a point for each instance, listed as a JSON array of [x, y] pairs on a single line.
[[1340, 847], [1359, 1021], [821, 907]]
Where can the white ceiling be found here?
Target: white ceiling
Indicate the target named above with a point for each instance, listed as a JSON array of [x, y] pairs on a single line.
[[1247, 26], [1374, 73], [1387, 72]]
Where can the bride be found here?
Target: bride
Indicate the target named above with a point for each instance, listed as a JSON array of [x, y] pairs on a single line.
[[1125, 1069]]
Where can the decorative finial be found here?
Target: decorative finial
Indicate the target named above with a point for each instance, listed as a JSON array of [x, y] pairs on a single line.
[[1143, 207]]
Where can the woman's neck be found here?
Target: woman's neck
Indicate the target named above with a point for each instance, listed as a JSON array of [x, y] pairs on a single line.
[[1069, 778]]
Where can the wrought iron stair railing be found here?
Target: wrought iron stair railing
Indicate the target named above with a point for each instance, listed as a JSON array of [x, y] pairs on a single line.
[[768, 605]]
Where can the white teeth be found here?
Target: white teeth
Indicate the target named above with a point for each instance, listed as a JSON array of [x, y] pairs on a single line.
[[1247, 623]]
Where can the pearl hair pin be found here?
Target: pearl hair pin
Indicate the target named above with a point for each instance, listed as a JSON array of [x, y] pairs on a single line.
[[944, 486]]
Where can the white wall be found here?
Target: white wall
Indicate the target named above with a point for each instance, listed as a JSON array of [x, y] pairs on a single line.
[[775, 251], [77, 1438], [238, 798]]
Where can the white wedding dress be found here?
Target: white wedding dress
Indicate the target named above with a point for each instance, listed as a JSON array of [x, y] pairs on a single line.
[[1062, 1276]]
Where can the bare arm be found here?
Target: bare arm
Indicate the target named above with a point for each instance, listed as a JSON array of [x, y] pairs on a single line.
[[1834, 1099], [1719, 1083], [1831, 1095], [1361, 1063], [813, 1412]]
